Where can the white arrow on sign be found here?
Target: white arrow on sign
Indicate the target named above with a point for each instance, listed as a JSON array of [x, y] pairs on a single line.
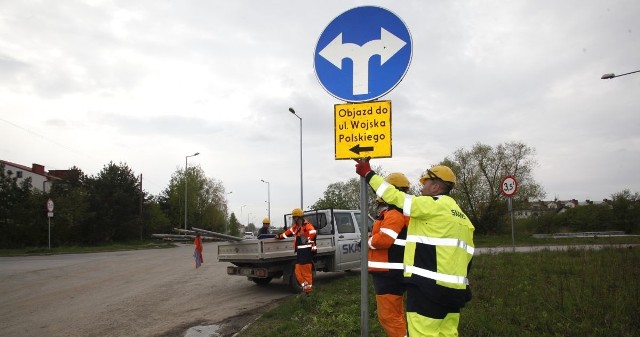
[[387, 46]]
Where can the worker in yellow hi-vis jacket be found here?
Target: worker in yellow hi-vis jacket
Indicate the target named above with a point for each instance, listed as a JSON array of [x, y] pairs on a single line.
[[438, 250]]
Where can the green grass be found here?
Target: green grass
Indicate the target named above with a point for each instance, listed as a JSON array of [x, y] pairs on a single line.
[[145, 244], [572, 293], [331, 310]]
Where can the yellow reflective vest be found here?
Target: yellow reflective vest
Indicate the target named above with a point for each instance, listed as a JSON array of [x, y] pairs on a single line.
[[439, 245]]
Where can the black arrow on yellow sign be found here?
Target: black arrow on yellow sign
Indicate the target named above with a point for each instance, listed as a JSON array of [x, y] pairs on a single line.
[[357, 149]]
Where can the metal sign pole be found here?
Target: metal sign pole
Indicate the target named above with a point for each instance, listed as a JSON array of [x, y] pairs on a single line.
[[367, 86], [48, 217], [50, 207], [509, 187], [364, 270], [513, 239]]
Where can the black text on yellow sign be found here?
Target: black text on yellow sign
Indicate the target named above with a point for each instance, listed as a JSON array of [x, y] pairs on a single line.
[[363, 130]]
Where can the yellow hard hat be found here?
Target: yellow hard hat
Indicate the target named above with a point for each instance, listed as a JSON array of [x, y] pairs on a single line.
[[397, 179], [441, 172], [266, 220], [297, 212]]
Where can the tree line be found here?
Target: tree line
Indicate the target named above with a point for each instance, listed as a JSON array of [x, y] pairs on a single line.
[[108, 207], [621, 213], [479, 172], [111, 206]]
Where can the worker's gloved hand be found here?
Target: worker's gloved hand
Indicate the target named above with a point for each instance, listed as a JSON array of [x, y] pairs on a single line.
[[363, 167]]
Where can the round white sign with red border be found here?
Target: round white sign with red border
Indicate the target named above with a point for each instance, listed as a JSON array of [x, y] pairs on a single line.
[[509, 186], [50, 205]]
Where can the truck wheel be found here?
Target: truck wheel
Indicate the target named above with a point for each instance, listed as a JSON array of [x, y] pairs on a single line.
[[261, 281]]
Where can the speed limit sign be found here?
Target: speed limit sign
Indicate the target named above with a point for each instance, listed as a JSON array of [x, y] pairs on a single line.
[[509, 186]]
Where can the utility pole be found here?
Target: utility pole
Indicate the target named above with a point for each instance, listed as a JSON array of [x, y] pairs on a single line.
[[141, 200]]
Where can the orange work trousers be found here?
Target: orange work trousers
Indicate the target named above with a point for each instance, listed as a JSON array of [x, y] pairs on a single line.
[[391, 314], [304, 275]]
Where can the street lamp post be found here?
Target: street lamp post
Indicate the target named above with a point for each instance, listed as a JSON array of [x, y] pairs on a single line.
[[185, 187], [268, 198], [300, 118], [241, 207], [612, 75]]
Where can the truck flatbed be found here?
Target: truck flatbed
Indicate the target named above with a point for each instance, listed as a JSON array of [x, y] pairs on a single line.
[[265, 250]]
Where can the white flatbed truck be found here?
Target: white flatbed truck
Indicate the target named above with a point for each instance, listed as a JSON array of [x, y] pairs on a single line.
[[338, 242]]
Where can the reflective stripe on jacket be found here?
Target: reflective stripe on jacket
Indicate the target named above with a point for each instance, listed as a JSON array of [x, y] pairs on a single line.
[[386, 244], [439, 245], [304, 243]]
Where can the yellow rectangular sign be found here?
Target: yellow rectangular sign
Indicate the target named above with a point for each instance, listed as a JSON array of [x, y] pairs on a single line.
[[362, 130]]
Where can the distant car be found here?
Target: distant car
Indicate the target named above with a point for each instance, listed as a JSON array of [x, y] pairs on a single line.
[[248, 235]]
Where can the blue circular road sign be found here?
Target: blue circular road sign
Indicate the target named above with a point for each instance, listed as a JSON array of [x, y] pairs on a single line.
[[363, 54]]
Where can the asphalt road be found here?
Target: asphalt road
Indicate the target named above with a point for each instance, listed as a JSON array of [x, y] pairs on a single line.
[[154, 292]]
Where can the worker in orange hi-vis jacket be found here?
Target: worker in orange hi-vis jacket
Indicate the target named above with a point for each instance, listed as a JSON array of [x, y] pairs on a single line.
[[386, 252], [305, 247], [197, 253]]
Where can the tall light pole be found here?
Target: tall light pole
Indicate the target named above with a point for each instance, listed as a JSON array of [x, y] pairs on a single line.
[[240, 218], [612, 75], [185, 187], [300, 118], [268, 198], [248, 215]]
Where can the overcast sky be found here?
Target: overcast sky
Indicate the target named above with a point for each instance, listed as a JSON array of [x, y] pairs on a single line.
[[148, 82]]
